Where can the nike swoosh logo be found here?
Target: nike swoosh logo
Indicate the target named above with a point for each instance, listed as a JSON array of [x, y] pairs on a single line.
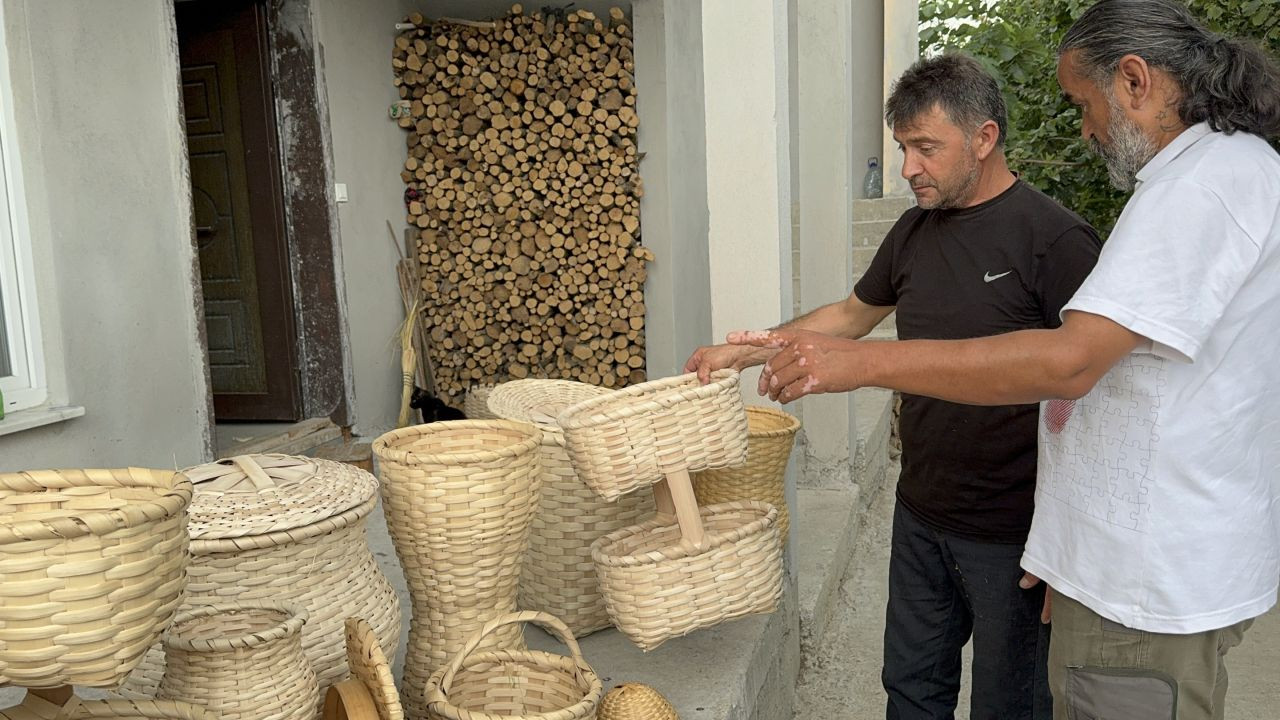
[[989, 277]]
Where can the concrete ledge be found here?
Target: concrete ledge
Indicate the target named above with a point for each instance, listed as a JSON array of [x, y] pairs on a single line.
[[825, 532], [873, 408]]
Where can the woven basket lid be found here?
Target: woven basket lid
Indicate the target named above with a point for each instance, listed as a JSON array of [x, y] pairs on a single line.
[[634, 701], [259, 494]]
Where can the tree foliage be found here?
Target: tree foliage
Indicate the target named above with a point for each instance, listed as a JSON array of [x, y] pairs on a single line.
[[1017, 40]]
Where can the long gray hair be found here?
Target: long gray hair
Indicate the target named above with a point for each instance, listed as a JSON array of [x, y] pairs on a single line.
[[1229, 83]]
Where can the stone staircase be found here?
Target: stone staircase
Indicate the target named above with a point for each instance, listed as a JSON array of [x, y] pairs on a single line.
[[872, 220]]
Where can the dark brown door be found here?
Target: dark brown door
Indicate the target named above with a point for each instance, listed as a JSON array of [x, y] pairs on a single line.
[[236, 196]]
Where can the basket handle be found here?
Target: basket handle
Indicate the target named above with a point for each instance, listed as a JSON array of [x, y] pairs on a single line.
[[548, 622], [674, 496]]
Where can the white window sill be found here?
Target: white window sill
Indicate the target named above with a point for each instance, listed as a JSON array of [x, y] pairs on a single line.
[[39, 416]]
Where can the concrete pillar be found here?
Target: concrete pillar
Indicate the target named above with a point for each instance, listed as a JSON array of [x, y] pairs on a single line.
[[745, 72], [829, 176], [901, 49]]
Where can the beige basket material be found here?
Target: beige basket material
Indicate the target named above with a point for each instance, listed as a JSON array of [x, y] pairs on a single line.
[[79, 709], [476, 403], [370, 666], [261, 494], [91, 571], [459, 497], [771, 433], [241, 662], [634, 701], [656, 589], [515, 684], [558, 576], [633, 437], [325, 568]]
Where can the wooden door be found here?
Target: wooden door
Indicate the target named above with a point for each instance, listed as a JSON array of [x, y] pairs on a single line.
[[238, 208]]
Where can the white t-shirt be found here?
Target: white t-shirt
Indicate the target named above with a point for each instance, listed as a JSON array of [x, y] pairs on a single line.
[[1158, 494]]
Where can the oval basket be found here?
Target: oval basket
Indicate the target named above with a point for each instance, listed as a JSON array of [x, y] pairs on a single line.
[[459, 497], [558, 576], [631, 438], [92, 564], [656, 589], [515, 685], [771, 433]]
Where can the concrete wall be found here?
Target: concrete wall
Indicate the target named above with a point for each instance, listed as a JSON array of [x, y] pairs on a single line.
[[104, 165], [368, 153], [901, 49]]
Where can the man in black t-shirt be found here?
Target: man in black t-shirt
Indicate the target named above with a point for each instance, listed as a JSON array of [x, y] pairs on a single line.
[[982, 254]]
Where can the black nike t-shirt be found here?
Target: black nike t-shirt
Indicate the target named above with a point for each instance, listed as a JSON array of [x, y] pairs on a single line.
[[1008, 264]]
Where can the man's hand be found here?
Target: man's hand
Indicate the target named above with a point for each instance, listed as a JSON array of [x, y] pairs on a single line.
[[710, 358], [805, 363], [1029, 581]]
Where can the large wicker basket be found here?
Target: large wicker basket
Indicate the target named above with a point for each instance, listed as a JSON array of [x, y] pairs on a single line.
[[92, 565], [459, 497], [656, 588], [241, 662], [632, 438], [559, 577], [515, 685], [771, 433], [280, 528]]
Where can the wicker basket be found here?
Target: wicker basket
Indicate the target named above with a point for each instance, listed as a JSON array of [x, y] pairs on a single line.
[[515, 685], [241, 662], [633, 701], [476, 403], [459, 497], [92, 567], [771, 434], [558, 576], [279, 528], [79, 709], [657, 589], [631, 438]]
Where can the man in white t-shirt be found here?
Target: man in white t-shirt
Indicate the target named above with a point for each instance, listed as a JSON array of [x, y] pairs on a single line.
[[1157, 520]]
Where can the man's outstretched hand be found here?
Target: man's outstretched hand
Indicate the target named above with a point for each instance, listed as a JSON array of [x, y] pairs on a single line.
[[708, 359], [805, 363]]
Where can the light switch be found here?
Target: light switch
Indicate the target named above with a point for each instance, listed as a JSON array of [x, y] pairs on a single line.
[[340, 192]]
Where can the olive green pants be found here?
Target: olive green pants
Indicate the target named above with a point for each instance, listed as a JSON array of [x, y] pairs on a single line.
[[1102, 670]]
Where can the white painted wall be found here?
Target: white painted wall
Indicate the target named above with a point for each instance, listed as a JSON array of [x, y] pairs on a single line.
[[104, 164], [901, 49], [368, 153]]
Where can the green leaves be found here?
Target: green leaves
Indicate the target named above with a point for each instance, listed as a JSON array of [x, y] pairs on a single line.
[[1017, 40]]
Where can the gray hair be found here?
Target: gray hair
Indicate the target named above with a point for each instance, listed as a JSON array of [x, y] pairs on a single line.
[[1229, 83], [958, 84]]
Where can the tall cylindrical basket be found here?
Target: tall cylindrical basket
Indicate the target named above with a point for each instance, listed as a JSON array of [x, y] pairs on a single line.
[[241, 662], [771, 433], [559, 577], [459, 498]]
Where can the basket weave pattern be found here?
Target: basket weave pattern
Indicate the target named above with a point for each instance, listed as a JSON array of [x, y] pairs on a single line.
[[631, 438], [369, 665], [559, 576], [515, 684], [633, 701], [241, 663], [771, 434], [78, 709], [655, 589], [459, 497], [476, 403], [91, 571]]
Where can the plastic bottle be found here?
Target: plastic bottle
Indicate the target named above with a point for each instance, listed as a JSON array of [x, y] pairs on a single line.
[[873, 183]]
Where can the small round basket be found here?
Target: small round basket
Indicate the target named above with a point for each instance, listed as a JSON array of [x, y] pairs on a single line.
[[79, 709], [241, 662], [771, 433], [558, 576], [634, 701], [631, 438], [515, 685], [92, 563], [656, 589]]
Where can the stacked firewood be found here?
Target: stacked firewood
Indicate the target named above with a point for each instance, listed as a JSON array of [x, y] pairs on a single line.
[[523, 185]]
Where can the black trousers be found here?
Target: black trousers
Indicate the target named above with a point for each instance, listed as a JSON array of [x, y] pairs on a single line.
[[942, 590]]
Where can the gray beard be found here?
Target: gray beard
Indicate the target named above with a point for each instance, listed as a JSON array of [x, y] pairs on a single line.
[[1128, 150]]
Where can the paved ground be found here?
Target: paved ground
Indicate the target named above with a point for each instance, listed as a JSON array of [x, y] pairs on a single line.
[[841, 681]]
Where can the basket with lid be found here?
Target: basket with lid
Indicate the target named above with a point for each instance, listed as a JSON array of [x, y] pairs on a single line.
[[559, 577], [689, 567], [279, 528], [91, 571]]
